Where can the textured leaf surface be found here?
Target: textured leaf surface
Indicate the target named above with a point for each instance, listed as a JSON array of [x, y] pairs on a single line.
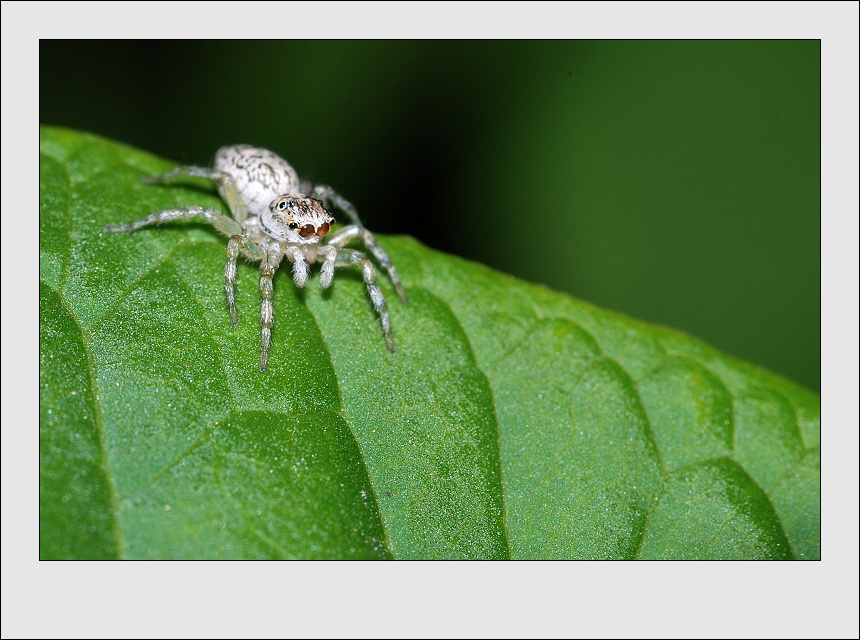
[[511, 421]]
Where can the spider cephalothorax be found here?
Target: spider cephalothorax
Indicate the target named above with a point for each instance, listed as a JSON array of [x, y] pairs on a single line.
[[275, 215], [296, 219]]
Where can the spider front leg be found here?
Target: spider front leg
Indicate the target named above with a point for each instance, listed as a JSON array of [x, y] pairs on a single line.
[[331, 198], [329, 254], [300, 266], [267, 272], [353, 257], [227, 188], [237, 243]]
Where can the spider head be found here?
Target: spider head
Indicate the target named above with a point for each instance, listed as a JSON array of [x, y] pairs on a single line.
[[296, 219]]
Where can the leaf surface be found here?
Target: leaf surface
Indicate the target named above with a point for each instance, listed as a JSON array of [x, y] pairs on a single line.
[[511, 421]]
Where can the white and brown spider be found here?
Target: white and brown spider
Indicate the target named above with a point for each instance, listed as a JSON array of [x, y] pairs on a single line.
[[275, 215]]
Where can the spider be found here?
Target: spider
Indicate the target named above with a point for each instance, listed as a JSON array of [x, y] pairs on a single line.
[[275, 215]]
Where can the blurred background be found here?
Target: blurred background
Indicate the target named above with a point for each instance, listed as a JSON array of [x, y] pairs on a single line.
[[675, 181]]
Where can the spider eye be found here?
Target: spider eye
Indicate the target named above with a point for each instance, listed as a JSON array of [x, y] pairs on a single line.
[[283, 204], [293, 225]]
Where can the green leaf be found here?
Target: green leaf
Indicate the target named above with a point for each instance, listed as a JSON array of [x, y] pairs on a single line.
[[511, 421]]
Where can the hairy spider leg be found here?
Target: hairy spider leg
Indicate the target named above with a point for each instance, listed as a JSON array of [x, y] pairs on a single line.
[[301, 271], [267, 314], [331, 199], [329, 253], [227, 188], [225, 224], [236, 244], [346, 257]]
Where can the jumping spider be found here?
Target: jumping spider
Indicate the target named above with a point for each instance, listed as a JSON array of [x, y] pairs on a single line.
[[275, 215]]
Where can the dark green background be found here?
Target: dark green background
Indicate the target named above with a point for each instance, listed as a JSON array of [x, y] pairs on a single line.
[[675, 181]]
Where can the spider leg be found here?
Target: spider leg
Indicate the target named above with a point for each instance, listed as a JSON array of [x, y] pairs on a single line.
[[178, 172], [342, 236], [225, 224], [327, 270], [267, 272], [226, 186], [353, 257], [332, 198], [300, 265], [237, 243]]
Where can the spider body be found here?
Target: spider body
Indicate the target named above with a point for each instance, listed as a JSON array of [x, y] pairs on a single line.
[[276, 215]]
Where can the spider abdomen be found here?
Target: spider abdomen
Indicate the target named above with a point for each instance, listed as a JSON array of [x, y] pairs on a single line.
[[260, 175]]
